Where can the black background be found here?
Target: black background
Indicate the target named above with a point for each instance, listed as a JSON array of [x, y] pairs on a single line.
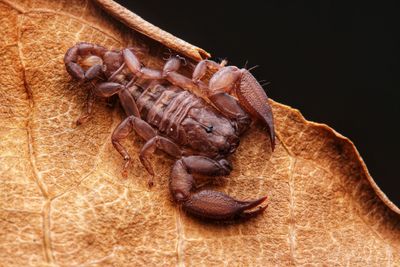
[[336, 61]]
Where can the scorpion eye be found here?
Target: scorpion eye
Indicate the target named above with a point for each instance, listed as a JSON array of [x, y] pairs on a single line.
[[208, 129]]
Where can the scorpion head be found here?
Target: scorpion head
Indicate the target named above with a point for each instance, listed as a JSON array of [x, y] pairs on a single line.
[[210, 133]]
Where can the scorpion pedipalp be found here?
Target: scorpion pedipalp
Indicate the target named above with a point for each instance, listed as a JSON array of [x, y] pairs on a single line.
[[207, 203], [254, 99], [217, 205]]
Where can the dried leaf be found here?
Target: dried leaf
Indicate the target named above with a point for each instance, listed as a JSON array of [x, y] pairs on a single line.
[[64, 202]]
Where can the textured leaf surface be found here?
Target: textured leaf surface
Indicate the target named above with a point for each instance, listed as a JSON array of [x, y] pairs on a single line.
[[63, 201]]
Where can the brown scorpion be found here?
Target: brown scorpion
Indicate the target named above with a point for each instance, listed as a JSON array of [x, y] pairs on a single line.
[[170, 118]]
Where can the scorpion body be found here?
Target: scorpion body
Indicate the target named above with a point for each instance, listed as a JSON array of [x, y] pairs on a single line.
[[199, 135]]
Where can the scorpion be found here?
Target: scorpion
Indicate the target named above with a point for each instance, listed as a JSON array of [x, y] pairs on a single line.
[[199, 132]]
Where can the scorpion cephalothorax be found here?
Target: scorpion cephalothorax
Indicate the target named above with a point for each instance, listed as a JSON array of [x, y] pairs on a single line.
[[199, 135]]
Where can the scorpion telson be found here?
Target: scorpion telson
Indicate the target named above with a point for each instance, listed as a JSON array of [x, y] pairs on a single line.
[[200, 136]]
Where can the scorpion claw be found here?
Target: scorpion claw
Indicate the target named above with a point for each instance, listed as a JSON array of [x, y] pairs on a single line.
[[251, 214], [219, 206], [254, 99], [251, 204]]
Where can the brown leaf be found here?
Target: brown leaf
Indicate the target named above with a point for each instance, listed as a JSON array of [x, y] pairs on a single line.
[[64, 202]]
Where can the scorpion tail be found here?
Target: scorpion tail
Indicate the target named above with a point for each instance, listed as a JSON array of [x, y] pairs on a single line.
[[84, 56]]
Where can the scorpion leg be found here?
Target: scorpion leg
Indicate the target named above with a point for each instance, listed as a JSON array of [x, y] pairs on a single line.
[[102, 90], [128, 102], [201, 69], [206, 203], [89, 109], [105, 89], [142, 128], [149, 148], [134, 65], [108, 89]]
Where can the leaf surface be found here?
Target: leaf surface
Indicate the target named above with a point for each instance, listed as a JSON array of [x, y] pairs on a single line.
[[63, 201]]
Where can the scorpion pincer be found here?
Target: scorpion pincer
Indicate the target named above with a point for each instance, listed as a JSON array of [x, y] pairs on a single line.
[[200, 136]]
